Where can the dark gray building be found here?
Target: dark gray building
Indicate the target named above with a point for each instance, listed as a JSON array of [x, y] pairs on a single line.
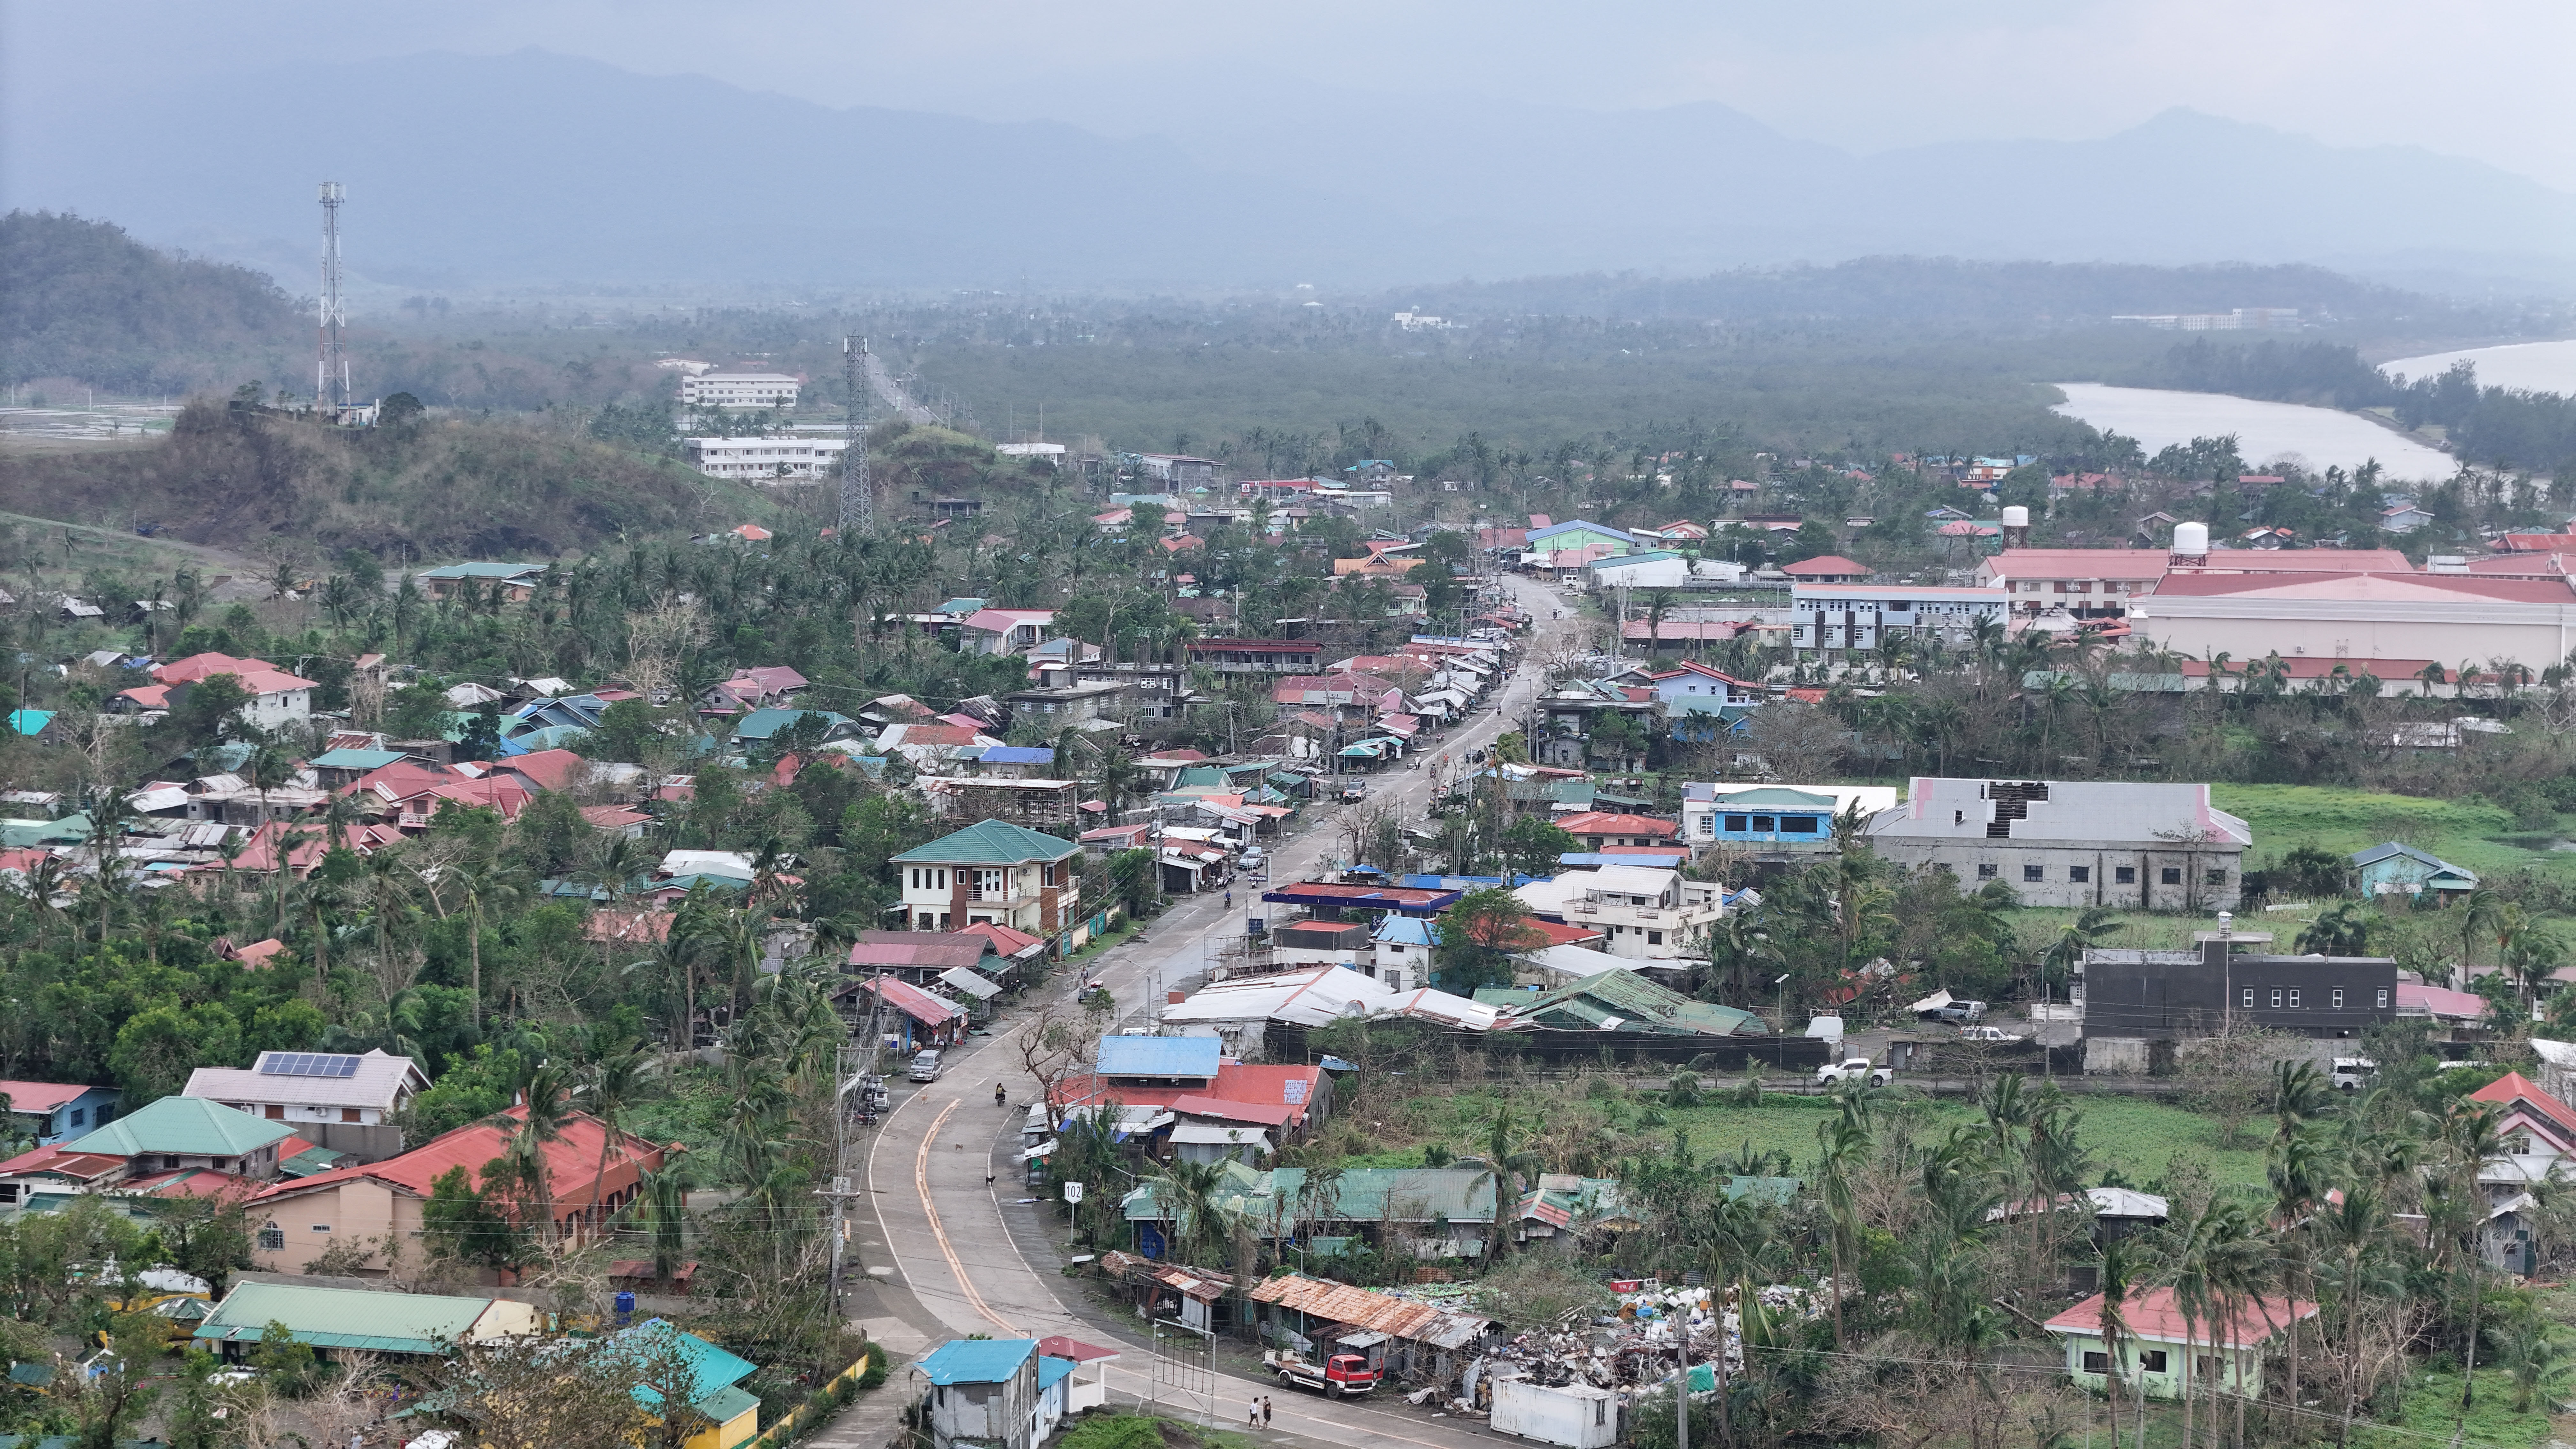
[[2230, 980]]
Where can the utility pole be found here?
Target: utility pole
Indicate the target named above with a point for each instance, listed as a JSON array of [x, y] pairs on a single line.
[[840, 1190], [858, 506]]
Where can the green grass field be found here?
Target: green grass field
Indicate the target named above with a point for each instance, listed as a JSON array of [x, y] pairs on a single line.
[[2469, 833], [2137, 1137]]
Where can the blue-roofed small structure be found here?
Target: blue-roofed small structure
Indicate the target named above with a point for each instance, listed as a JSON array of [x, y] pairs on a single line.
[[1052, 1371], [1017, 755], [1403, 931], [977, 1360], [1160, 1056], [30, 722], [760, 724]]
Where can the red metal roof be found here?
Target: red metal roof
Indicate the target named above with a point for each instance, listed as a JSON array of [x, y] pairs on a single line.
[[572, 1159], [2515, 1088], [1829, 566], [1600, 822], [33, 1097], [2155, 1314], [914, 1002]]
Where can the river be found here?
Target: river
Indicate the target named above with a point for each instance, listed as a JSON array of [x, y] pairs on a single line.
[[2539, 366], [2316, 437]]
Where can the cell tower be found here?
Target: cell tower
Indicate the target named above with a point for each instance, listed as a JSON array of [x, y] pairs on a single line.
[[858, 508], [331, 371]]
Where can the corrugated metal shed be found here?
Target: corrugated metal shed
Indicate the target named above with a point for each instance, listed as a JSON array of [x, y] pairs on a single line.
[[1380, 1312]]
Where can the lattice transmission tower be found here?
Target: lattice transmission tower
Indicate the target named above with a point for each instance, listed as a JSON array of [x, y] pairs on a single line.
[[331, 368], [858, 504]]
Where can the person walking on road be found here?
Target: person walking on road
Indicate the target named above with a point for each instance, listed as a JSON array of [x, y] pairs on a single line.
[[1265, 1411], [1252, 1416]]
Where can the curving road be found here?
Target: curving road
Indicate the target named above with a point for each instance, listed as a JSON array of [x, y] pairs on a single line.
[[939, 1223]]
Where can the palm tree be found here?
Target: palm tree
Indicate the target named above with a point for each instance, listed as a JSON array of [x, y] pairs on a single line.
[[546, 1093], [616, 1080], [2115, 1326], [1186, 1191], [1845, 1143], [1505, 1160], [661, 1202], [2082, 934]]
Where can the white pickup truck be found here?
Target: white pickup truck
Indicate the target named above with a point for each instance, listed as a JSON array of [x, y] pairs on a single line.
[[1856, 1069]]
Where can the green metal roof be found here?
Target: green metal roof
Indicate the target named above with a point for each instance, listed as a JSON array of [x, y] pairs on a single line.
[[713, 1370], [343, 1317], [724, 1405], [347, 759], [991, 842], [187, 1126], [1638, 1005]]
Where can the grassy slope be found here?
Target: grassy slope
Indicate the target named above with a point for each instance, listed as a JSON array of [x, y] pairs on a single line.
[[2340, 821], [453, 488]]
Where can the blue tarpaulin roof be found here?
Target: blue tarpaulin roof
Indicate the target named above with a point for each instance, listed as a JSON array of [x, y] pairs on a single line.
[[1159, 1056]]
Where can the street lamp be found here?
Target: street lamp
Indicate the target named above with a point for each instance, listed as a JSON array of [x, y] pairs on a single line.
[[1783, 983]]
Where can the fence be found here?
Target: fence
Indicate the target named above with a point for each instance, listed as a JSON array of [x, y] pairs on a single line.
[[807, 1414]]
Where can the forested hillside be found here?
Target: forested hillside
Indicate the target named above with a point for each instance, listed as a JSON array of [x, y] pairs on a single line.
[[413, 489], [80, 299]]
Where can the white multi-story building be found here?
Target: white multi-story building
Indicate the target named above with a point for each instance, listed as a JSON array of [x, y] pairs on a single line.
[[753, 459], [1836, 618], [1643, 915], [721, 389]]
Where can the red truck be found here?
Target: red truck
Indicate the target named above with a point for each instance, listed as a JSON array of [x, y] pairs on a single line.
[[1341, 1375]]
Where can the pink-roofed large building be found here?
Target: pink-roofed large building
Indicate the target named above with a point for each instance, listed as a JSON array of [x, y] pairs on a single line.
[[2101, 582], [2361, 616]]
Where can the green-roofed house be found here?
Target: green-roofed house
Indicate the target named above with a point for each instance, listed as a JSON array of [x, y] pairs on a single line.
[[1626, 1001], [716, 1374], [345, 1320], [762, 723], [993, 873], [517, 580], [173, 1141]]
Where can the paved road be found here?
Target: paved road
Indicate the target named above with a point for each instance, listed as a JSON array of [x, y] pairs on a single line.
[[939, 1227]]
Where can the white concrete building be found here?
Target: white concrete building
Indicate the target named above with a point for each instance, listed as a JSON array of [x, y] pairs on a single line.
[[1664, 570], [2076, 843], [754, 460], [718, 388], [1644, 915], [1835, 619]]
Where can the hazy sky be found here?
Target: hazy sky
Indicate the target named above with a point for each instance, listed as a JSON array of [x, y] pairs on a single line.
[[2478, 78]]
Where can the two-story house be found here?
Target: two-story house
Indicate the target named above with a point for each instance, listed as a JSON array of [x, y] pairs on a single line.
[[1004, 631], [1643, 915], [992, 873], [1765, 819], [338, 1100]]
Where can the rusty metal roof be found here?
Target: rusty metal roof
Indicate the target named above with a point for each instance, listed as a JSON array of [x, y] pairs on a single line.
[[1380, 1312]]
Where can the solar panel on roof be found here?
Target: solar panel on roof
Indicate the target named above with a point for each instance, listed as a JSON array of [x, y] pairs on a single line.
[[308, 1064]]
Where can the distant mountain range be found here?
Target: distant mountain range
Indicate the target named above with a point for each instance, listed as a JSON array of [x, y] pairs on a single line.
[[535, 170]]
